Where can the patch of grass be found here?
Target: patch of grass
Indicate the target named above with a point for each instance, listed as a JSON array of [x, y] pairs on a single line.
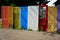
[[0, 25], [29, 29], [21, 28]]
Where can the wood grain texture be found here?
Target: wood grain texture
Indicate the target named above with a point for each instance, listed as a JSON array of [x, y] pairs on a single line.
[[52, 19]]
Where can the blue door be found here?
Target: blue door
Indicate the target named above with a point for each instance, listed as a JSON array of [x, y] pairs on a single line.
[[24, 17]]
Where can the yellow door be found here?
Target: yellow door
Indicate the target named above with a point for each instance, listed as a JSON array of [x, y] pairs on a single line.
[[17, 17], [10, 16], [52, 19]]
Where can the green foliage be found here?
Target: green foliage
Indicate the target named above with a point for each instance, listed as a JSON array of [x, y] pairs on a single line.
[[7, 0], [12, 4]]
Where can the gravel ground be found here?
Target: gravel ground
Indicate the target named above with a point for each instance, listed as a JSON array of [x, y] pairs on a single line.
[[9, 34]]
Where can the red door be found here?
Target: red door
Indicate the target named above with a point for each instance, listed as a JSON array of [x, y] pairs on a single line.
[[43, 17], [5, 12]]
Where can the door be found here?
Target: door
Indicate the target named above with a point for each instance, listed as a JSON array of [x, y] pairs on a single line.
[[16, 18], [24, 17], [43, 17], [33, 12], [52, 19], [58, 18]]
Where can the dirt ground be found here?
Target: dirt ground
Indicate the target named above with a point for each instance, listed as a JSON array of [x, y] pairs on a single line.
[[9, 34]]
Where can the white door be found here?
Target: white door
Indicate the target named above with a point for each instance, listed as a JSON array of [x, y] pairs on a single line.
[[33, 12]]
